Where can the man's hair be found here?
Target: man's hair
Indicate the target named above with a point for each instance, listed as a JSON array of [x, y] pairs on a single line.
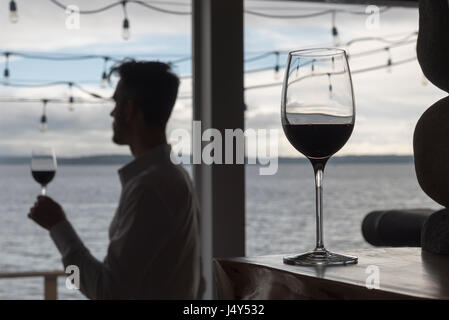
[[152, 86]]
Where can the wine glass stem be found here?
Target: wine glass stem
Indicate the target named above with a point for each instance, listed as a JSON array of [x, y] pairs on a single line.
[[44, 191], [319, 209]]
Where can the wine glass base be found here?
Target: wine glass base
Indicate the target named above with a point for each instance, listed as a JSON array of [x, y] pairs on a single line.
[[320, 257]]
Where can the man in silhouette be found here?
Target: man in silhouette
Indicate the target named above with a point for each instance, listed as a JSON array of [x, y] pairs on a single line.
[[154, 249]]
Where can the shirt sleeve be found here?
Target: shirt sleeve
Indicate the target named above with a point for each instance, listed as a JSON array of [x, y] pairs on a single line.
[[145, 229]]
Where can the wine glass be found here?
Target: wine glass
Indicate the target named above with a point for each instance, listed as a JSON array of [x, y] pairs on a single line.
[[43, 166], [318, 115]]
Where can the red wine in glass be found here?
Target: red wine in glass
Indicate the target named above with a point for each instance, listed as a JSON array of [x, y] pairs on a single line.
[[318, 142], [318, 116], [43, 177], [43, 167]]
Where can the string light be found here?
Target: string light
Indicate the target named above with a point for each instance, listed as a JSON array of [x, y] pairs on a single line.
[[307, 15], [353, 72], [125, 31], [126, 34], [254, 87], [335, 36], [6, 71], [138, 2], [106, 59], [13, 16], [391, 43], [318, 11], [126, 24], [72, 57], [44, 125], [104, 76], [52, 100], [58, 83]]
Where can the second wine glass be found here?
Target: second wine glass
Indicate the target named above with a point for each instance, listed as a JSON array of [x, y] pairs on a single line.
[[43, 167], [318, 116]]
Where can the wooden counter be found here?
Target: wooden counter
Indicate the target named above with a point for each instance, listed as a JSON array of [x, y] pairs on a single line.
[[404, 273]]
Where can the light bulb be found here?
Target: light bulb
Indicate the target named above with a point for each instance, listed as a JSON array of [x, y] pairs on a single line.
[[71, 101], [104, 80], [6, 72], [104, 76], [13, 17], [125, 31], [334, 30], [6, 76], [276, 72], [335, 36], [44, 116], [70, 94], [44, 125]]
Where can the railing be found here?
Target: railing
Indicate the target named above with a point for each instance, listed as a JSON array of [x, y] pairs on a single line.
[[50, 280]]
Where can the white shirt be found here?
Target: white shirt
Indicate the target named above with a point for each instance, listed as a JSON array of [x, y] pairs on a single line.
[[154, 249]]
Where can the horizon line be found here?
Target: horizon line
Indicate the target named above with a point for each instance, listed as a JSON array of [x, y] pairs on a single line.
[[190, 155]]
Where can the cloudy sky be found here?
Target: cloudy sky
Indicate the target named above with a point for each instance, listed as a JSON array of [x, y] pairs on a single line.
[[388, 104]]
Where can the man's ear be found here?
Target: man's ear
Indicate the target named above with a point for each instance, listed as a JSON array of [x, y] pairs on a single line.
[[131, 111]]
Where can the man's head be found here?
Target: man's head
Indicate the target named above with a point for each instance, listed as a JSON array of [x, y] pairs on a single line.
[[144, 99]]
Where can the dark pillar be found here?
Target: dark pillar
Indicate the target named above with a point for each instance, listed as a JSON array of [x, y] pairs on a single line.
[[218, 103]]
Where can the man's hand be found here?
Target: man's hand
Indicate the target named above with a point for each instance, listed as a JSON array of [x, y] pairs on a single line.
[[46, 212]]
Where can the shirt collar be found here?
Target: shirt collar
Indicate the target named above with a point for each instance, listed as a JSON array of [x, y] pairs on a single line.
[[157, 155]]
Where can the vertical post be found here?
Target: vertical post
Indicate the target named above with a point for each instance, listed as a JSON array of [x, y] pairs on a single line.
[[218, 102], [50, 287]]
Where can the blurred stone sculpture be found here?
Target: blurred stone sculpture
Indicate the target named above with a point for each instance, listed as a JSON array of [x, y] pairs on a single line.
[[431, 136], [433, 41]]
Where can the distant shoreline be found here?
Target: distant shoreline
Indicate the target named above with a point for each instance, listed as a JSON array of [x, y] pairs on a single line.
[[123, 159]]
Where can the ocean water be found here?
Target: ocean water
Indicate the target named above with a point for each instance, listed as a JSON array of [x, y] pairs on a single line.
[[280, 212]]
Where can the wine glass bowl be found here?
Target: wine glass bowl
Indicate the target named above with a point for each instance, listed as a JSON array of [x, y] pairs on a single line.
[[43, 167], [318, 116]]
